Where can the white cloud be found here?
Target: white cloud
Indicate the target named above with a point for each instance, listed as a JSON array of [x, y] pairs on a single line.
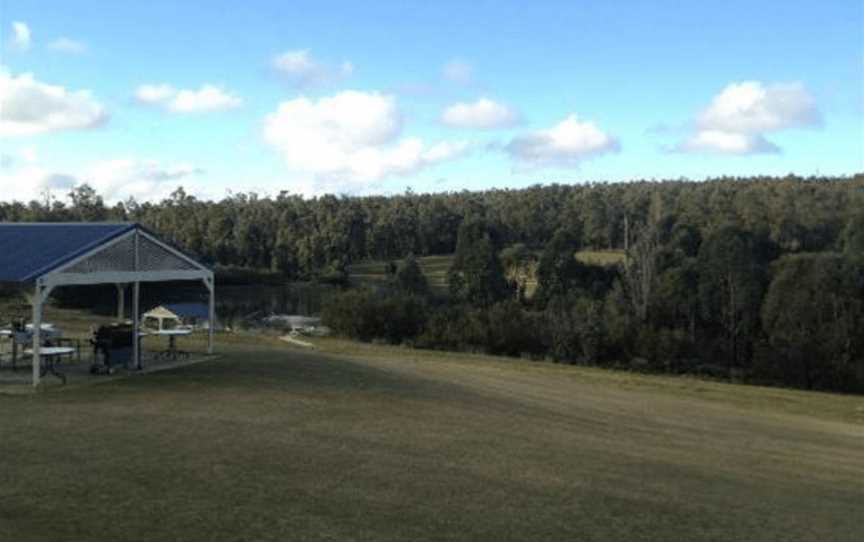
[[737, 119], [32, 182], [143, 179], [294, 63], [114, 180], [727, 143], [752, 107], [348, 141], [155, 93], [208, 98], [566, 144], [458, 71], [20, 35], [29, 107], [302, 71], [483, 114], [67, 45], [29, 154]]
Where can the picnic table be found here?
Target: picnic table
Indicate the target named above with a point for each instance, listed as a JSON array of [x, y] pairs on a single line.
[[50, 355], [46, 329], [51, 335], [172, 352]]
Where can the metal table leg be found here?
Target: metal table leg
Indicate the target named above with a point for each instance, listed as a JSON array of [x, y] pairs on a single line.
[[48, 366]]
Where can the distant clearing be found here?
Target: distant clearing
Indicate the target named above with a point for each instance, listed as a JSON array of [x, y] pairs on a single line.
[[601, 257], [374, 272]]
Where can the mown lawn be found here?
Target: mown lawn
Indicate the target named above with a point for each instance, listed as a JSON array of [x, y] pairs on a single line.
[[359, 442]]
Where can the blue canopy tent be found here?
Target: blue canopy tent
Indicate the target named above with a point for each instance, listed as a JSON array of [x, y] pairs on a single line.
[[47, 255]]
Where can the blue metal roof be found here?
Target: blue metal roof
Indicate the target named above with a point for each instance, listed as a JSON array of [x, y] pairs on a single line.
[[30, 250]]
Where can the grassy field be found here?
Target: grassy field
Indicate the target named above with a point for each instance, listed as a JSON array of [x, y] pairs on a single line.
[[362, 442], [600, 257], [372, 273]]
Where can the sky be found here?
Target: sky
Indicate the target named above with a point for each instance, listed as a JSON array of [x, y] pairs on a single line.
[[138, 98]]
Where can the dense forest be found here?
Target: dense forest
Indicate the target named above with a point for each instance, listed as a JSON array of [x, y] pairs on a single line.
[[755, 279]]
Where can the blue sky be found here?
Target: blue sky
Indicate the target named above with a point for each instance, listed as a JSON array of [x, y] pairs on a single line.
[[137, 98]]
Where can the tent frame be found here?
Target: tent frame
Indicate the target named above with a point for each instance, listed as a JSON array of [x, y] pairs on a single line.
[[46, 281]]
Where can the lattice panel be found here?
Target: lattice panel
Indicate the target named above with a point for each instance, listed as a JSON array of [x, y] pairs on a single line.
[[118, 257], [152, 257]]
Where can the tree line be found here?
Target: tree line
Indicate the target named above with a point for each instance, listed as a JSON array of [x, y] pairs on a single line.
[[302, 238], [729, 304], [758, 279]]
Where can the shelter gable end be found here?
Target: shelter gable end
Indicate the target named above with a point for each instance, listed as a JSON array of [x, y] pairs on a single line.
[[153, 257], [119, 256]]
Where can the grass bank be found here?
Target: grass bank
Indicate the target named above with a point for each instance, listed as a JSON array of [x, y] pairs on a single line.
[[363, 442]]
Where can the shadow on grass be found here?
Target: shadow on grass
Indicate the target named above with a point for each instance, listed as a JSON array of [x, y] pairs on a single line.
[[264, 371]]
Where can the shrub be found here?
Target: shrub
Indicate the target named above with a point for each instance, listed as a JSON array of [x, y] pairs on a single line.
[[368, 315], [450, 327], [402, 316], [512, 331], [410, 278], [352, 313]]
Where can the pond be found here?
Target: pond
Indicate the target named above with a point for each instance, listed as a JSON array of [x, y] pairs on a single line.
[[236, 305], [245, 305]]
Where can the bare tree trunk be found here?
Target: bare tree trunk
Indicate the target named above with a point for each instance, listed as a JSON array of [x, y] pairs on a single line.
[[626, 237], [733, 325], [640, 272]]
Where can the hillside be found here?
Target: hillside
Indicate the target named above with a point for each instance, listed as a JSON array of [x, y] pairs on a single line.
[[374, 272], [359, 442]]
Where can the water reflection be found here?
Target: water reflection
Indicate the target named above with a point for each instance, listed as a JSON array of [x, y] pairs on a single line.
[[242, 306]]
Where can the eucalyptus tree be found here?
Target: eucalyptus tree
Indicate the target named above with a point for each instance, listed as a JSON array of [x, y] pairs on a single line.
[[410, 278], [476, 275], [558, 271], [853, 236], [732, 273], [813, 316]]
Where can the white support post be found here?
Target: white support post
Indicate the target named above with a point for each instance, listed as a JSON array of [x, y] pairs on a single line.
[[37, 334], [211, 317], [136, 340], [121, 302], [136, 294], [41, 294]]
